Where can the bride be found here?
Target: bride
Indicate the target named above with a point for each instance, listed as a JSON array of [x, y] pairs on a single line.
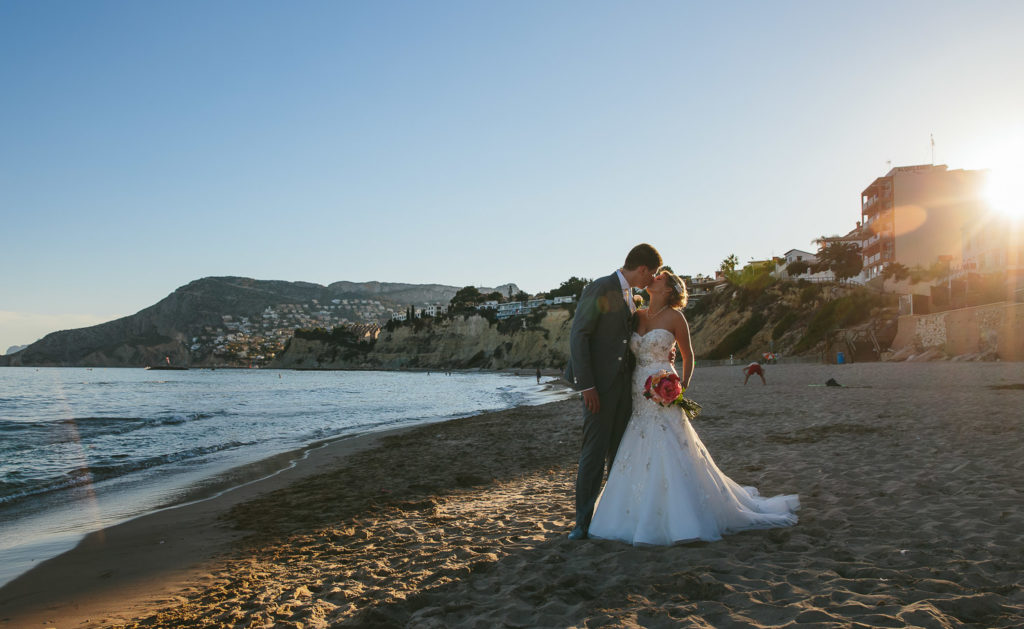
[[664, 486]]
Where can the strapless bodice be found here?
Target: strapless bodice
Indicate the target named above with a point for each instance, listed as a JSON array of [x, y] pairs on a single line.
[[652, 349]]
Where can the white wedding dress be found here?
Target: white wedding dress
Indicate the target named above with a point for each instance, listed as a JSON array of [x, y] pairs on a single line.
[[664, 487]]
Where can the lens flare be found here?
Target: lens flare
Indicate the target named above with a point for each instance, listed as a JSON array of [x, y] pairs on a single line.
[[1004, 188]]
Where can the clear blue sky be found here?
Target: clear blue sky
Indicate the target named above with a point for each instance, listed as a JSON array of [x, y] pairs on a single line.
[[144, 144]]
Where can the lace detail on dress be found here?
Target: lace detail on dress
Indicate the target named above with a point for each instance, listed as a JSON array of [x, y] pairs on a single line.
[[651, 352], [652, 348]]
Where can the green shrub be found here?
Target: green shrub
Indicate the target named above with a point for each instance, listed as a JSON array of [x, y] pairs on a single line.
[[534, 318], [809, 294], [510, 325], [572, 286], [745, 297], [487, 313], [339, 335], [783, 325], [837, 314], [700, 306]]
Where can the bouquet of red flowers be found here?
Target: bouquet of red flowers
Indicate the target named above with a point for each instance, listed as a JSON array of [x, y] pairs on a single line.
[[665, 389]]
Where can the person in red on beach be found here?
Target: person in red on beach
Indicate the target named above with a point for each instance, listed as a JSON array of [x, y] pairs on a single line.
[[751, 369]]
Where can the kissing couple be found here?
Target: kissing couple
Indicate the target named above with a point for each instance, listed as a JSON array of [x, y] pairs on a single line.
[[663, 486]]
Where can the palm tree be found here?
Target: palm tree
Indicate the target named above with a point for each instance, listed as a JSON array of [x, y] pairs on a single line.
[[729, 264], [843, 258]]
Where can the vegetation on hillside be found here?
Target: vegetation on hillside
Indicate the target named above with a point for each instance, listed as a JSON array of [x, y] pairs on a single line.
[[840, 313], [842, 258], [788, 317], [739, 339]]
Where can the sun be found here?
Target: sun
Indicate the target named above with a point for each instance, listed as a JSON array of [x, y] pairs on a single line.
[[1005, 191], [1005, 186]]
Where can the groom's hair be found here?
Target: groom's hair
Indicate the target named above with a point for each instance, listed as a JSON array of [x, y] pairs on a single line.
[[642, 255]]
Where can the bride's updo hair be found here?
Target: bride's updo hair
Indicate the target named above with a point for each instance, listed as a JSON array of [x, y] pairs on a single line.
[[678, 298]]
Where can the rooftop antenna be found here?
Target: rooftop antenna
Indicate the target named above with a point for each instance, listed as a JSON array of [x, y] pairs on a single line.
[[932, 137]]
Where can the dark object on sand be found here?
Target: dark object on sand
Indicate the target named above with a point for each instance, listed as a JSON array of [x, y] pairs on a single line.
[[831, 382]]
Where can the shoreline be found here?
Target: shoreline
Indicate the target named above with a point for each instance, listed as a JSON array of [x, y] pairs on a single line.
[[38, 550], [81, 583], [104, 571], [910, 476]]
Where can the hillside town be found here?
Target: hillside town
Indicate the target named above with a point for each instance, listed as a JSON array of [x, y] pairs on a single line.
[[257, 340]]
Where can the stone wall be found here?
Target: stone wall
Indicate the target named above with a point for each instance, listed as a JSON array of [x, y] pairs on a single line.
[[995, 328]]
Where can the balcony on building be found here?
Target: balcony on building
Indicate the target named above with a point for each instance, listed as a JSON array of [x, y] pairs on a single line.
[[876, 198]]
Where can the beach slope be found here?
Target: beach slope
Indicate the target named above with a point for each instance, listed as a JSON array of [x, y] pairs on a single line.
[[910, 479]]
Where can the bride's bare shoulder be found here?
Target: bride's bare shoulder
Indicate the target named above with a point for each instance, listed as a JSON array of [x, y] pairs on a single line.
[[679, 319]]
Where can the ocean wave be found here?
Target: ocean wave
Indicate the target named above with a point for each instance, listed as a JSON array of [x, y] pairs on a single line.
[[65, 430], [107, 469], [513, 396]]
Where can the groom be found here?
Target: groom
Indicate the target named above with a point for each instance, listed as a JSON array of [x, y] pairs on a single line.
[[601, 366]]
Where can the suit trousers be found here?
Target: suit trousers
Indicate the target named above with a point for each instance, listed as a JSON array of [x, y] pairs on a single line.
[[602, 432]]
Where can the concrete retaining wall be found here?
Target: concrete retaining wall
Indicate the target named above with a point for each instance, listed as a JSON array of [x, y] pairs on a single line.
[[995, 327]]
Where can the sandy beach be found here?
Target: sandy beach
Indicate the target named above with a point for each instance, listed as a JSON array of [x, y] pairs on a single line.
[[910, 479]]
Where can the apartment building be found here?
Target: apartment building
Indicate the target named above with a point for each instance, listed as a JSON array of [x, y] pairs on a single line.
[[915, 215]]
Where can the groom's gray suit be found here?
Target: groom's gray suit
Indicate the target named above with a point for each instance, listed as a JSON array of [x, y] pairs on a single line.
[[600, 358]]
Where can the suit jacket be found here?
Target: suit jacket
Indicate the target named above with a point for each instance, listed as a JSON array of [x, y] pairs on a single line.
[[599, 341]]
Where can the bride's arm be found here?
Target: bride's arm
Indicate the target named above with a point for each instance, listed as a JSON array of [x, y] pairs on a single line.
[[682, 333]]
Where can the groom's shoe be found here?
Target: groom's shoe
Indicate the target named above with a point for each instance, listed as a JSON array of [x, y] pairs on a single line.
[[578, 533]]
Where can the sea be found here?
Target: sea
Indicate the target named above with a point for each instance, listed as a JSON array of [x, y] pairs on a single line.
[[83, 449]]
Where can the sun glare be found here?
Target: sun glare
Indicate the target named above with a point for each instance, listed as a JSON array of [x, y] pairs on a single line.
[[1005, 187]]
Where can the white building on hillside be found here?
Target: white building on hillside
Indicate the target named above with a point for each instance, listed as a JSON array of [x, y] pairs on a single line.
[[798, 255]]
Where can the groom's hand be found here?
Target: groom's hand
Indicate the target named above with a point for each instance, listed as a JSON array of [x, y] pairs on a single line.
[[591, 400]]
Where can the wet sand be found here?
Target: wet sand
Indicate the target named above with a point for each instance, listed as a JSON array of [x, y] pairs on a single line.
[[911, 480]]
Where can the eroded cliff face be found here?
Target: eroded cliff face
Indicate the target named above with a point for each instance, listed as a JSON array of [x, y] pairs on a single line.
[[457, 343], [708, 330], [778, 318], [475, 342]]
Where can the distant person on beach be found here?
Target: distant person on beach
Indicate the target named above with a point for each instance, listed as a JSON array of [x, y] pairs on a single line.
[[538, 375], [750, 370], [663, 486], [601, 366]]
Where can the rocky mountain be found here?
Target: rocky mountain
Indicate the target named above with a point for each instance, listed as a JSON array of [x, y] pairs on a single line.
[[226, 321], [15, 348]]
